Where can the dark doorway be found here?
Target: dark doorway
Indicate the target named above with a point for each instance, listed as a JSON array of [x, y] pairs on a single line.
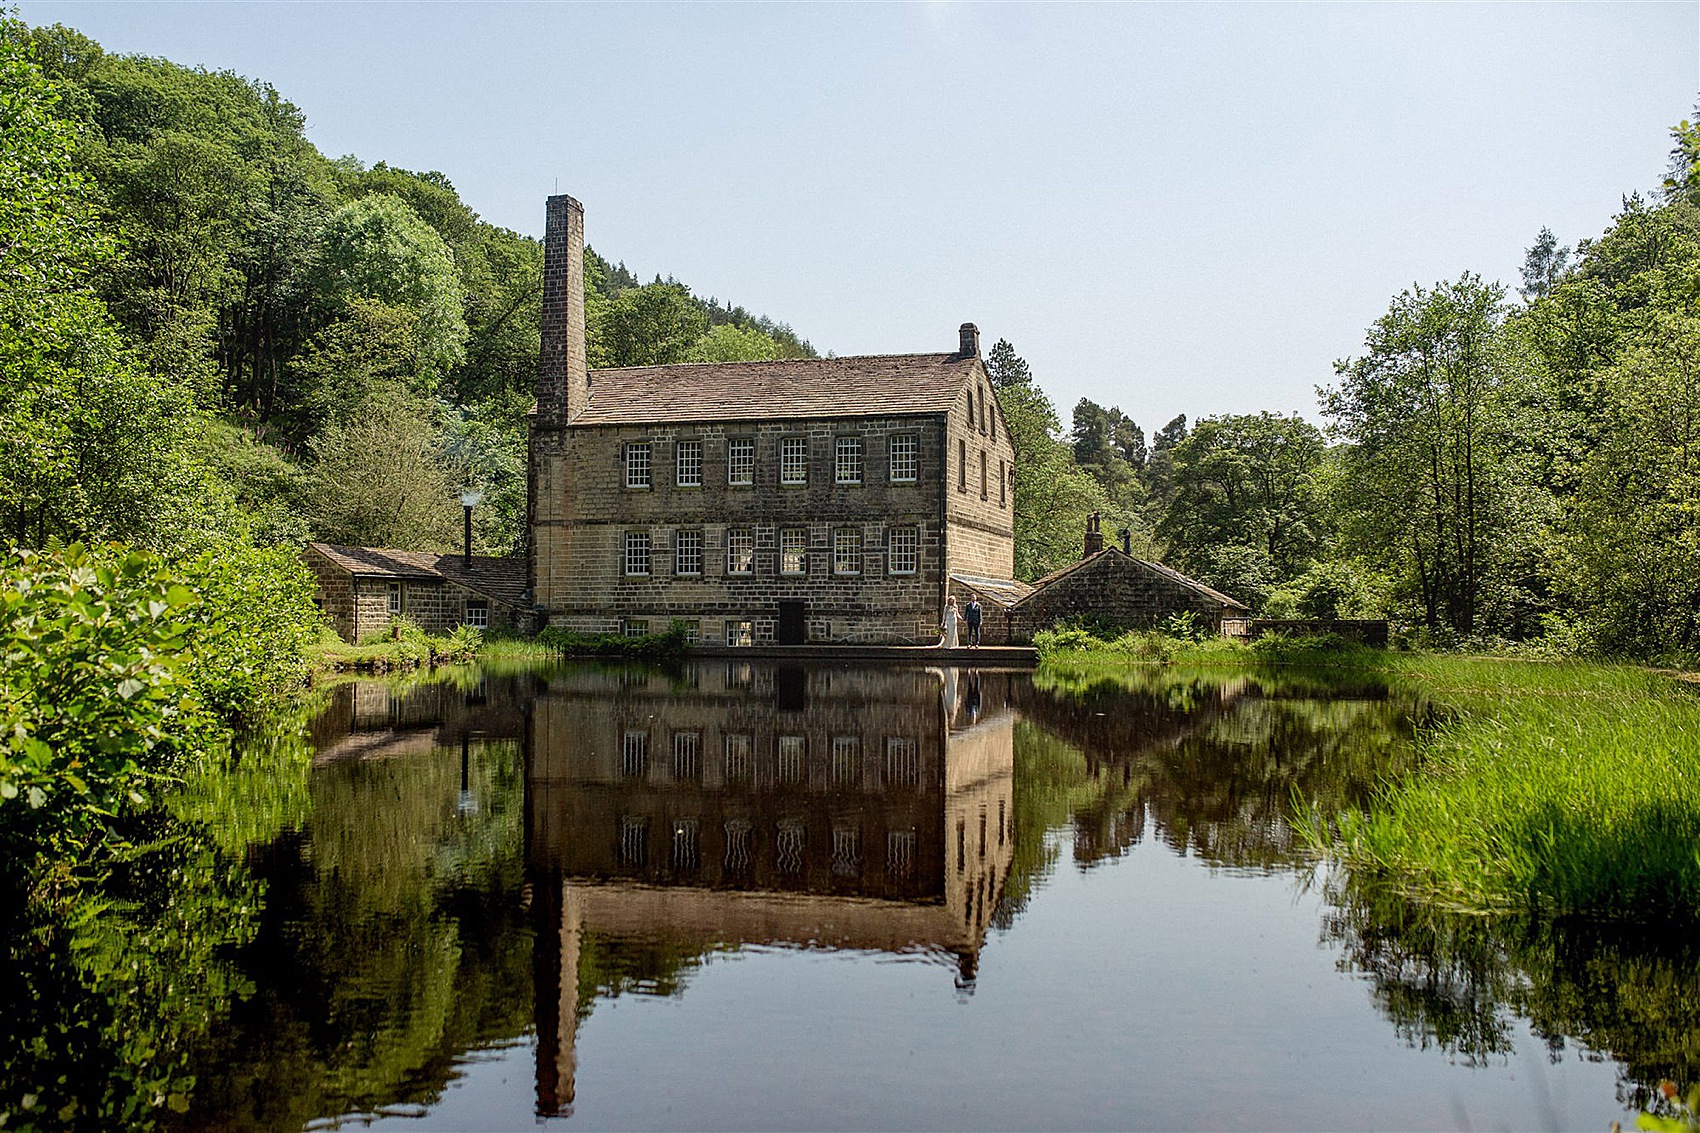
[[792, 630]]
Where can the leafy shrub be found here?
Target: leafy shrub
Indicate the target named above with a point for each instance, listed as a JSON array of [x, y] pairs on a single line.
[[98, 703], [1064, 639]]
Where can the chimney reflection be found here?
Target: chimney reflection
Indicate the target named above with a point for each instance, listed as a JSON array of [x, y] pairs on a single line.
[[743, 803]]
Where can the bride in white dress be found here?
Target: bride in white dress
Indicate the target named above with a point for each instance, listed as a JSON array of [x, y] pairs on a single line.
[[948, 641]]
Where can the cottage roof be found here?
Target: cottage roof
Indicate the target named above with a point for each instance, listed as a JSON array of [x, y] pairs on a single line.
[[1006, 590], [502, 579], [1169, 573], [874, 385]]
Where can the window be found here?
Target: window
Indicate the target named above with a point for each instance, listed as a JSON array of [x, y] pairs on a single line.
[[847, 469], [961, 466], [478, 615], [793, 550], [982, 474], [788, 846], [637, 553], [1003, 483], [994, 418], [687, 845], [740, 762], [687, 552], [902, 762], [634, 627], [637, 464], [900, 852], [903, 550], [791, 759], [740, 551], [687, 464], [846, 851], [741, 461], [693, 631], [687, 756], [739, 634], [847, 551], [634, 755], [846, 761], [738, 854], [794, 460], [634, 841], [903, 450], [395, 597], [982, 410]]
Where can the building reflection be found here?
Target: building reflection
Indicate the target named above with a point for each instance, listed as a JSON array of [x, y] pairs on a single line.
[[739, 803]]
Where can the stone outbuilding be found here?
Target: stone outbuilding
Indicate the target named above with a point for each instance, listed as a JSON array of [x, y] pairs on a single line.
[[362, 588], [1109, 587]]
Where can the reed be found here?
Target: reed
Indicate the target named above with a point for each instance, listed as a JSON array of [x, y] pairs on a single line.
[[1561, 789]]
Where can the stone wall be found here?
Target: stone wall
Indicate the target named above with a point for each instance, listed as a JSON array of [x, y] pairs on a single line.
[[979, 512], [583, 512], [335, 597]]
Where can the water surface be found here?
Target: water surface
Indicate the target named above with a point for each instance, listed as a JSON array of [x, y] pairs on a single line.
[[742, 895]]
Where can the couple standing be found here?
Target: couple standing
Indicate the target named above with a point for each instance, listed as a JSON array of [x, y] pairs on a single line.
[[970, 615]]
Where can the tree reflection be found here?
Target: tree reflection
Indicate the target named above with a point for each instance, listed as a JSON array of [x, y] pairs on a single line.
[[1458, 982]]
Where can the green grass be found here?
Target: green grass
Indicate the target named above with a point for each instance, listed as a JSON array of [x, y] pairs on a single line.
[[1559, 789]]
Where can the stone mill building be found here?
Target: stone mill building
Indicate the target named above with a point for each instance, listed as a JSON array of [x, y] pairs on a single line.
[[807, 500]]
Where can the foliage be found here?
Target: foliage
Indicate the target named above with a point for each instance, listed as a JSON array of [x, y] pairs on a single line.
[[380, 478], [98, 705]]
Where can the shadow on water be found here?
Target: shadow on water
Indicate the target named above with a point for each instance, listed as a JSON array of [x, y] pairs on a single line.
[[438, 867]]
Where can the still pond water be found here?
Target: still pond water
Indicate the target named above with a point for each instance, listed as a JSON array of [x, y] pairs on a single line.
[[741, 895]]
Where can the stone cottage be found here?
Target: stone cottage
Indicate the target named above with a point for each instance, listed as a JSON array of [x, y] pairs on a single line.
[[1107, 584], [362, 588], [786, 502]]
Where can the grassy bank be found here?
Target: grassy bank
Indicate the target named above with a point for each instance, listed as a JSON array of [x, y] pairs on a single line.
[[1567, 788], [1550, 788]]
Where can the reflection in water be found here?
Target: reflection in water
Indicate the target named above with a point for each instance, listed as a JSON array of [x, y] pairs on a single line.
[[467, 862], [737, 805]]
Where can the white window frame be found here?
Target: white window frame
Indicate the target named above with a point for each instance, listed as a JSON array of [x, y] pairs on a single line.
[[793, 541], [740, 634], [901, 559], [741, 462], [846, 547], [478, 615], [637, 554], [637, 464], [687, 553], [687, 463], [903, 455], [846, 767], [740, 543], [634, 627], [793, 759], [847, 461], [392, 597], [794, 461]]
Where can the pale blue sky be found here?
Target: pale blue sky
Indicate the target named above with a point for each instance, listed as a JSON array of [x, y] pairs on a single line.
[[1175, 208]]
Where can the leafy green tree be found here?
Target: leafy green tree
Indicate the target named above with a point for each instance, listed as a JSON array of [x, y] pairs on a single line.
[[1006, 368], [1431, 480], [377, 248], [648, 326], [1247, 480], [1544, 266], [379, 478], [728, 343]]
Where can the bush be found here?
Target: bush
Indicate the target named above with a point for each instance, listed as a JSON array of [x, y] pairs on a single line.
[[98, 702], [1064, 639]]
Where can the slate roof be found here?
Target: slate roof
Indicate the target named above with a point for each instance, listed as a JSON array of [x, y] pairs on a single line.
[[502, 579], [874, 385], [1169, 573], [1006, 590]]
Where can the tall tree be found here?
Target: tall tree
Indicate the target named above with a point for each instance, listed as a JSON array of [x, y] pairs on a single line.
[[1430, 480]]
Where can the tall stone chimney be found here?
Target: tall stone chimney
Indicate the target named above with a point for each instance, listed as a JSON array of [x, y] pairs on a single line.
[[968, 340], [1094, 536], [563, 380]]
